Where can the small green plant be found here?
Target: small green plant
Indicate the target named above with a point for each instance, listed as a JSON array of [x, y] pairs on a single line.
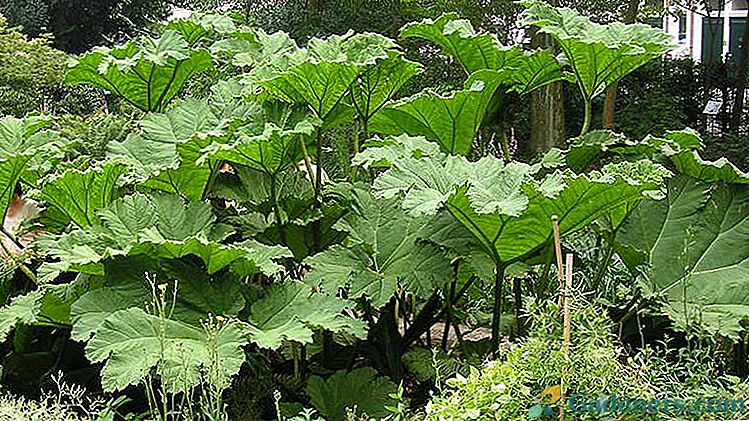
[[172, 393], [512, 387]]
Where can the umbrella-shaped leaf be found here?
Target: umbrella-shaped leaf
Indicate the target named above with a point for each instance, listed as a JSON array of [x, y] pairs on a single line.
[[22, 309], [290, 311], [78, 194], [381, 153], [131, 342], [32, 136], [147, 73], [599, 55], [383, 251], [692, 244], [450, 120], [523, 71], [321, 74], [360, 391], [459, 39], [502, 205], [159, 226], [380, 82], [271, 152], [163, 156]]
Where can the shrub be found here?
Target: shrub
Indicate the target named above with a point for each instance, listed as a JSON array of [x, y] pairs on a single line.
[[507, 388], [510, 387], [32, 75]]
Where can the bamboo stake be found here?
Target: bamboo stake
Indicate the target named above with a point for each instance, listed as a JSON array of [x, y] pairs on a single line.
[[560, 274], [558, 251], [567, 339]]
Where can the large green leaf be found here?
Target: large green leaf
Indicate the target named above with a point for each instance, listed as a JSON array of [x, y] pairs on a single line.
[[132, 282], [600, 146], [450, 120], [522, 71], [159, 226], [28, 151], [322, 85], [147, 73], [691, 163], [201, 28], [380, 82], [321, 74], [360, 391], [22, 309], [383, 152], [692, 244], [291, 311], [382, 252], [32, 136], [459, 39], [259, 51], [581, 202], [271, 152], [163, 155], [133, 342], [599, 55], [76, 195], [502, 205]]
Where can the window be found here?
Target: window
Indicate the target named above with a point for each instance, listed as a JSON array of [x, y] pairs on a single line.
[[682, 28], [716, 5], [739, 5]]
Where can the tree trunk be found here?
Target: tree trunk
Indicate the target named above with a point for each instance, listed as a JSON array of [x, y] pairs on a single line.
[[547, 109], [609, 106], [738, 105]]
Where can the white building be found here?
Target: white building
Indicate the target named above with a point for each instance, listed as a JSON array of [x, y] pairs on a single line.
[[706, 36]]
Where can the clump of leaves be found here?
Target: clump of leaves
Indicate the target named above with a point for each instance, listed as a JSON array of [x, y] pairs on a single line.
[[359, 390], [507, 388]]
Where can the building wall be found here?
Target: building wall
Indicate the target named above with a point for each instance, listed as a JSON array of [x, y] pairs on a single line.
[[700, 36]]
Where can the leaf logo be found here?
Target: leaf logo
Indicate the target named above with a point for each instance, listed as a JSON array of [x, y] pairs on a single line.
[[552, 394], [549, 396]]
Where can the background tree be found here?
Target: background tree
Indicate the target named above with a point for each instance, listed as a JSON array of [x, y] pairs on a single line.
[[78, 25]]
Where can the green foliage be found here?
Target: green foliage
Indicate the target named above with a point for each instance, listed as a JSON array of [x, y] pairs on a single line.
[[507, 388], [32, 75], [360, 390], [75, 31], [496, 202], [147, 73], [512, 387], [134, 341], [208, 232], [688, 242], [660, 96], [522, 71], [450, 120], [379, 258], [93, 133], [164, 154], [159, 226], [22, 309], [29, 63], [272, 151], [598, 55], [291, 312]]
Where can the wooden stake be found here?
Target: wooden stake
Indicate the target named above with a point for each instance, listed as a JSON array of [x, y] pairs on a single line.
[[558, 251], [567, 338], [567, 299]]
